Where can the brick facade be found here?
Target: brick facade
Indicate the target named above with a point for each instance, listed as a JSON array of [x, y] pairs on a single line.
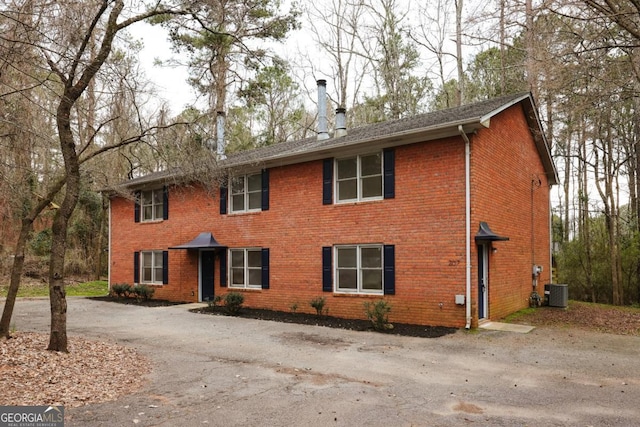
[[425, 221]]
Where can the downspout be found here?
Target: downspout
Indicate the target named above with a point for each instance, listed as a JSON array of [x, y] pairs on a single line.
[[551, 242], [109, 251], [467, 196]]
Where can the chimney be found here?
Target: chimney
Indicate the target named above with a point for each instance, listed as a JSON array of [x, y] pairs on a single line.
[[341, 122], [323, 124], [220, 143]]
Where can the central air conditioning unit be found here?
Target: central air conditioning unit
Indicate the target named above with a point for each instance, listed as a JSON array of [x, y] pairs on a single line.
[[556, 295]]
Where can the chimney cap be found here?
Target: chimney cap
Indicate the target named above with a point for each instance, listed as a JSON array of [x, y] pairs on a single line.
[[321, 82]]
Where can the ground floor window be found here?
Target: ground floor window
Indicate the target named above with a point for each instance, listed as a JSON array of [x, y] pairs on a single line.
[[152, 267], [359, 269], [246, 268]]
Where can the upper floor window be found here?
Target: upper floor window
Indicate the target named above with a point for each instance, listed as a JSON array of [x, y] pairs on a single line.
[[364, 177], [359, 178], [152, 205], [246, 193]]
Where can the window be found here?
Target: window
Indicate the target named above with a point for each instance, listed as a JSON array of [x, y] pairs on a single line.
[[152, 205], [359, 269], [359, 178], [368, 177], [245, 269], [152, 267], [246, 193]]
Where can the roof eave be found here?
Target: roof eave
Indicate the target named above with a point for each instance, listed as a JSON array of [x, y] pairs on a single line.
[[387, 141]]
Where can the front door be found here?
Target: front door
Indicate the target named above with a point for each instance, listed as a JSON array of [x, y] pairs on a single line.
[[483, 281], [206, 275]]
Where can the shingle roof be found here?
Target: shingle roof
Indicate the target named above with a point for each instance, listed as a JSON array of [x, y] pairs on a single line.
[[432, 125]]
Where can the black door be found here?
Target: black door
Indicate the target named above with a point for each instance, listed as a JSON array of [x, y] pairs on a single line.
[[483, 282], [206, 274]]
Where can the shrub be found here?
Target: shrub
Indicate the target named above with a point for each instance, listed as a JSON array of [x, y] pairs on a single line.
[[121, 289], [143, 292], [293, 307], [318, 303], [213, 302], [378, 313], [233, 302]]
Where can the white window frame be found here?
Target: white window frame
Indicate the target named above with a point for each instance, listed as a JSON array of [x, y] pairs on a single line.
[[156, 266], [359, 270], [246, 268], [146, 202], [245, 193], [359, 178]]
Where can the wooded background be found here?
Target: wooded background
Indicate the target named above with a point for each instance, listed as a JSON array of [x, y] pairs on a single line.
[[78, 114]]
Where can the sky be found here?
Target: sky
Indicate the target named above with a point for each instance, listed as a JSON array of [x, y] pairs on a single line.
[[170, 82]]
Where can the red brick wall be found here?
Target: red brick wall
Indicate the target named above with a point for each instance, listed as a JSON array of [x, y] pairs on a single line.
[[425, 221], [505, 164]]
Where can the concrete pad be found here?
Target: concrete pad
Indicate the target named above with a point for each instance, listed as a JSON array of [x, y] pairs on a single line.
[[507, 327]]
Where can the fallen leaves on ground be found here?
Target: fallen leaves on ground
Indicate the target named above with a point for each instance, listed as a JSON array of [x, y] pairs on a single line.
[[91, 372], [594, 317]]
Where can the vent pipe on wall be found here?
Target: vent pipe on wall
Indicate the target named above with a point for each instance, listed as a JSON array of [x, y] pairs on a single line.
[[220, 142], [341, 122], [323, 124]]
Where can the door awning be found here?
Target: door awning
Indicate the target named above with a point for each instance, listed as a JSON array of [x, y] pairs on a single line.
[[486, 234], [202, 241]]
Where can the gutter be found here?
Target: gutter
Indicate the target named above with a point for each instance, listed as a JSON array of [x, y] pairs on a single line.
[[467, 196]]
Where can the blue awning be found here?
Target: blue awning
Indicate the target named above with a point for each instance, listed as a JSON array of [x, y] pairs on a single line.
[[202, 241], [485, 234]]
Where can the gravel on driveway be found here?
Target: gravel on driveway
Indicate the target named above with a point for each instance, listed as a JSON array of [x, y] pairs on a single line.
[[225, 371]]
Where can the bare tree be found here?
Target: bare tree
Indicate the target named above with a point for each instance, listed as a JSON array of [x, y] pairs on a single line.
[[431, 34], [335, 28], [64, 42]]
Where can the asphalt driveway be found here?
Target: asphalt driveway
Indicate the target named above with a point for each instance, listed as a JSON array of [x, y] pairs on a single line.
[[223, 371]]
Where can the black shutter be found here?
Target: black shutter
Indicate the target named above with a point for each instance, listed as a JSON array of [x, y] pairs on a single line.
[[265, 189], [265, 268], [224, 193], [136, 267], [165, 267], [165, 203], [327, 273], [389, 269], [223, 268], [389, 165], [327, 181], [136, 206]]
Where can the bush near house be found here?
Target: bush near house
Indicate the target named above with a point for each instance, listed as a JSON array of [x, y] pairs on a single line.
[[233, 303], [143, 292], [318, 304], [378, 313], [121, 290]]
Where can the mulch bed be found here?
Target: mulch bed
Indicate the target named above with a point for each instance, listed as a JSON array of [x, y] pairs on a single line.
[[133, 301], [403, 329], [330, 321]]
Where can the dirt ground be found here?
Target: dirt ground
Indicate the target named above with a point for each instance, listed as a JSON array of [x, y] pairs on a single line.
[[221, 370]]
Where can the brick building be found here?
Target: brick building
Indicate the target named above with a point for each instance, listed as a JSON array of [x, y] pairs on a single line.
[[445, 215]]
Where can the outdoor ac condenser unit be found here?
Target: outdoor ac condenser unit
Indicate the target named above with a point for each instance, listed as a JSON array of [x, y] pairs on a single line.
[[558, 295]]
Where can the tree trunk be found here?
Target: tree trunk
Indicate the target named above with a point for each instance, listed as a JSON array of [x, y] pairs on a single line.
[[98, 245], [16, 274], [460, 88], [19, 254], [57, 294]]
